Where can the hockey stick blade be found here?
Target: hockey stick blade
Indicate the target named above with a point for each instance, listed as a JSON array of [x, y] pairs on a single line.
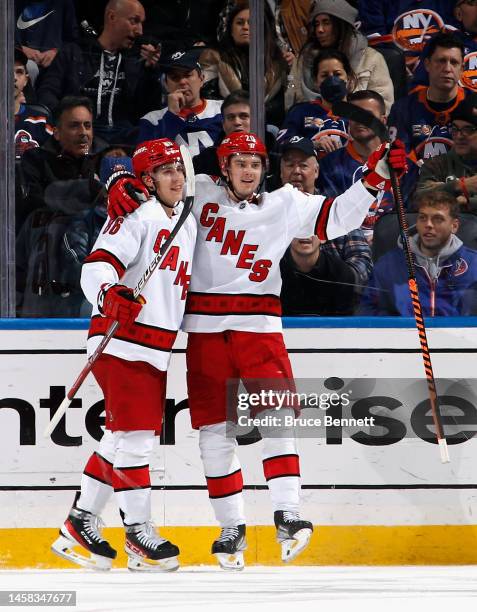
[[188, 204]]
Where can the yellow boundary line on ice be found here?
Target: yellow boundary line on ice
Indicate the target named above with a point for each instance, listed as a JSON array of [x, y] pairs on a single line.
[[342, 545]]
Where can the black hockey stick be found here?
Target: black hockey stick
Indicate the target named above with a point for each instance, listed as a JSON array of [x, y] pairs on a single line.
[[350, 111], [188, 204]]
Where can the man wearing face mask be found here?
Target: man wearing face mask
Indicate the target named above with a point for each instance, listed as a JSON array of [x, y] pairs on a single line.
[[315, 120]]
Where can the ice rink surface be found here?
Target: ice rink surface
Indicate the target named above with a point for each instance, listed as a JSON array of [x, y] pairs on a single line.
[[265, 589]]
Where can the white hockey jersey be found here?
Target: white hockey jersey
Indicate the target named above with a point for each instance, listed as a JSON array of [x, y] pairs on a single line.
[[122, 253], [236, 282]]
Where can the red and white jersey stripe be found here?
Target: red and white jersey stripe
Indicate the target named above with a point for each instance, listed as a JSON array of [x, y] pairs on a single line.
[[236, 282], [121, 254]]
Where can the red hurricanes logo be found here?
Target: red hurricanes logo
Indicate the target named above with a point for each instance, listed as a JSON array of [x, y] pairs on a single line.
[[413, 29], [461, 267], [469, 75]]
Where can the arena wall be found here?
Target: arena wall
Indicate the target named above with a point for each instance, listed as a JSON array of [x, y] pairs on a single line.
[[387, 502]]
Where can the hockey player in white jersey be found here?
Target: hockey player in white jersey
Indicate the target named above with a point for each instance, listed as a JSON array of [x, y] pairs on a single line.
[[132, 369], [233, 319]]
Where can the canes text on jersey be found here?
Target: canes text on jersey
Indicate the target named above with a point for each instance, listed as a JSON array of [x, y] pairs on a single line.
[[233, 243], [171, 261]]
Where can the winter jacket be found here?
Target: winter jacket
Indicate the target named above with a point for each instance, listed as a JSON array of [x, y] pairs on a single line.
[[230, 79], [63, 212], [447, 283], [73, 72], [368, 65], [58, 181], [51, 249]]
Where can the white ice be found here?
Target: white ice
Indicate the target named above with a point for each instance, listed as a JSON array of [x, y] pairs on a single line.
[[264, 589]]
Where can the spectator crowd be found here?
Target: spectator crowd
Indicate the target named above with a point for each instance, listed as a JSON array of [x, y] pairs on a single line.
[[93, 80]]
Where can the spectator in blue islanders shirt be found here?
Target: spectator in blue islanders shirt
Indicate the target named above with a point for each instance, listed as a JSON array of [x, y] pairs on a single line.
[[188, 118]]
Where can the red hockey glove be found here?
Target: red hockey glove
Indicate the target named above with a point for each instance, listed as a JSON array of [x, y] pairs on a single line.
[[125, 194], [117, 302], [376, 170]]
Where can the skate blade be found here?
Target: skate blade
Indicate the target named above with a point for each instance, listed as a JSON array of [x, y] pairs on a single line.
[[142, 564], [293, 547], [63, 547], [232, 561]]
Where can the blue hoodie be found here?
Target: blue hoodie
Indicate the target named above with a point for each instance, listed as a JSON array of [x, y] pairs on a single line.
[[447, 283]]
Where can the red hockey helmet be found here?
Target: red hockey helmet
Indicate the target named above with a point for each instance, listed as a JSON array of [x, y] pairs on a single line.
[[152, 153], [238, 143]]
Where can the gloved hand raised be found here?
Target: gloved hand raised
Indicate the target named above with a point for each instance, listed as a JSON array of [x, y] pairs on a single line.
[[118, 303], [125, 194], [376, 170]]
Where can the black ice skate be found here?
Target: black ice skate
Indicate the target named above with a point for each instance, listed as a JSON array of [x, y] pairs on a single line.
[[229, 547], [147, 551], [293, 533], [83, 529]]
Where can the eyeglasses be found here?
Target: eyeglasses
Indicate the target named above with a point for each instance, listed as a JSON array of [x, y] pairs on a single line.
[[467, 130]]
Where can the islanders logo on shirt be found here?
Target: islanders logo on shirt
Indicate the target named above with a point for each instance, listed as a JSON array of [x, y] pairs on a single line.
[[431, 147], [469, 74], [413, 29]]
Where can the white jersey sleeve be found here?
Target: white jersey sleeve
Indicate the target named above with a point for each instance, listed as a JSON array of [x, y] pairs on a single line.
[[328, 218], [112, 253]]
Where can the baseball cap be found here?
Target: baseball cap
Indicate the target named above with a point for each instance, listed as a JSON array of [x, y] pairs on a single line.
[[466, 110], [305, 145], [188, 60]]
